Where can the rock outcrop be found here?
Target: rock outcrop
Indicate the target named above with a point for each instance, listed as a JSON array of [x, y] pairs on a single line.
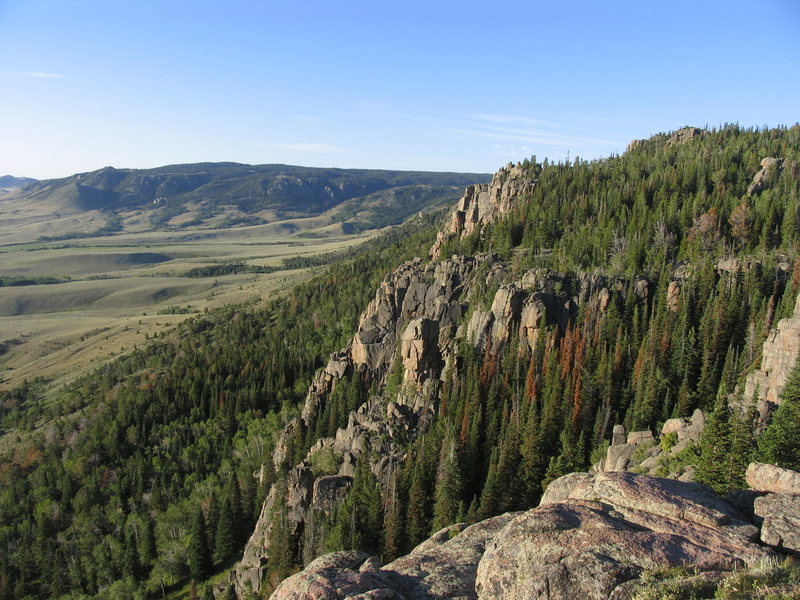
[[417, 307], [592, 536], [779, 354], [681, 136], [444, 566], [772, 479], [763, 177], [641, 452], [413, 324], [779, 507], [485, 203], [781, 520]]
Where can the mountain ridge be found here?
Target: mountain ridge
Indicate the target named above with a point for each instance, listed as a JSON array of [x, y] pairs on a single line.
[[213, 195]]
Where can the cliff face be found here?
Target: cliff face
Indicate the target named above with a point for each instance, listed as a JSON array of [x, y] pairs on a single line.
[[484, 203], [413, 315], [779, 353], [413, 321]]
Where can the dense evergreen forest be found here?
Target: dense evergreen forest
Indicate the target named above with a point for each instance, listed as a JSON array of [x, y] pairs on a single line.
[[140, 476]]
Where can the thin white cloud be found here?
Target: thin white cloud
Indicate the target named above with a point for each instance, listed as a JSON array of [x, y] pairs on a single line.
[[307, 119], [41, 75], [589, 117], [511, 151], [514, 119], [307, 147], [301, 147], [528, 137]]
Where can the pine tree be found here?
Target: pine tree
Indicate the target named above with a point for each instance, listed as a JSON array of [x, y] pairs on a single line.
[[212, 519], [448, 487], [490, 495], [713, 467], [393, 533], [743, 429], [281, 543], [234, 496], [225, 535], [130, 561], [418, 511], [780, 442], [148, 544], [198, 555]]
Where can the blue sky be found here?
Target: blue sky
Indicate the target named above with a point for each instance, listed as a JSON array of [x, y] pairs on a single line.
[[435, 85]]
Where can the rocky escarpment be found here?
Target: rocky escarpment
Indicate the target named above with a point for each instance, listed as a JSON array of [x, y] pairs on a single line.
[[592, 536], [681, 136], [408, 335], [779, 354], [768, 174], [417, 309], [414, 322], [485, 203], [443, 566]]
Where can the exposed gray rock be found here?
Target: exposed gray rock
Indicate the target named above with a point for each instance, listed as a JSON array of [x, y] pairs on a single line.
[[299, 486], [591, 537], [640, 437], [763, 177], [418, 306], [673, 426], [419, 350], [592, 533], [506, 310], [442, 567], [328, 490], [781, 515], [683, 135], [674, 296], [641, 287], [332, 577], [640, 453], [485, 203], [658, 496], [445, 567], [779, 353], [619, 436], [771, 478], [249, 571]]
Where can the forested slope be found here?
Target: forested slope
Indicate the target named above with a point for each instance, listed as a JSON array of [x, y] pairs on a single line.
[[562, 299], [627, 290]]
